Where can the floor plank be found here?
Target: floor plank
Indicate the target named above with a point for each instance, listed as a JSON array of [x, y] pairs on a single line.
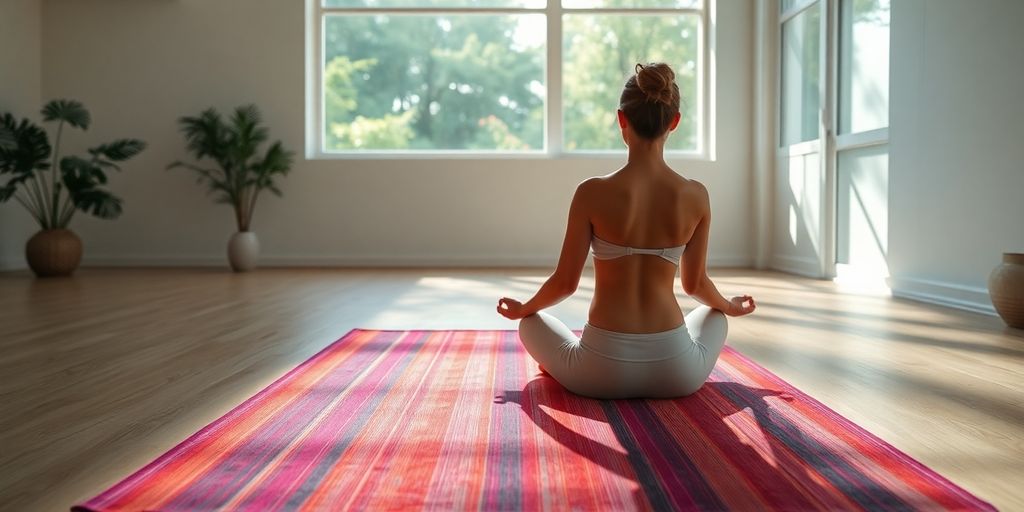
[[105, 371]]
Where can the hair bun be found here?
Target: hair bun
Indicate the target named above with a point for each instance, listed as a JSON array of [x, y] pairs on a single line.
[[650, 100], [656, 81]]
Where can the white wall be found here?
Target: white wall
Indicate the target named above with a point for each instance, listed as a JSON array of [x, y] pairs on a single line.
[[138, 66], [20, 74], [957, 146]]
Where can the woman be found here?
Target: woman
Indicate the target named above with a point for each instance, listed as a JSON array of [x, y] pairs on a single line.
[[642, 221]]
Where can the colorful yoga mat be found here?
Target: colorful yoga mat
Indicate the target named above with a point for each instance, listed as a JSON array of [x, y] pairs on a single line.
[[457, 420]]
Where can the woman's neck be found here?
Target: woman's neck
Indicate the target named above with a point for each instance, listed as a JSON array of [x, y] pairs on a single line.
[[647, 154]]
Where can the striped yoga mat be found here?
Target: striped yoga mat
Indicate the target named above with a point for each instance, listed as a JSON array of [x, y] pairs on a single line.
[[455, 420]]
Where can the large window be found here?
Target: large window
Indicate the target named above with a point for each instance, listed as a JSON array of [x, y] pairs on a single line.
[[495, 76]]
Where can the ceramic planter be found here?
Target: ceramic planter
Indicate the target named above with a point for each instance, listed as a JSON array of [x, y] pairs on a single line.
[[243, 251], [53, 252], [1006, 287]]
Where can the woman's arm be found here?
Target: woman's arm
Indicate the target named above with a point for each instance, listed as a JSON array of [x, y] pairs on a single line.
[[696, 282], [563, 281]]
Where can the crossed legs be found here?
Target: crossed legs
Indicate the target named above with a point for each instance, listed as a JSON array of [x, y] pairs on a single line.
[[560, 352]]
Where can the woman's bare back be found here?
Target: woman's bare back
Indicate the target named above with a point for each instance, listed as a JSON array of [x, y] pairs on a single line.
[[641, 208], [644, 205]]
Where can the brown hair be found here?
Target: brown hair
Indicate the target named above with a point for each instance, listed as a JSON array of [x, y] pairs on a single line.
[[650, 99]]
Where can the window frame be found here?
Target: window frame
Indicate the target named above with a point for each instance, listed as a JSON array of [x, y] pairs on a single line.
[[317, 14]]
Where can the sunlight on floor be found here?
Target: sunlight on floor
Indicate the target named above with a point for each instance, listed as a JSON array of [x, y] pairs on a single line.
[[871, 281], [470, 303]]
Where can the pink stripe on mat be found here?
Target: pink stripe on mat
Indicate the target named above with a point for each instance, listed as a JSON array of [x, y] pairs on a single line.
[[461, 420]]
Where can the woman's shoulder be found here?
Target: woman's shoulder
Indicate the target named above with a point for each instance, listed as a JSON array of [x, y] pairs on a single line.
[[694, 187], [592, 185], [596, 191], [683, 187], [693, 194]]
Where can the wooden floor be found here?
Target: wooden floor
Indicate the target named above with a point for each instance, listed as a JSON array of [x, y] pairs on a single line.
[[107, 370]]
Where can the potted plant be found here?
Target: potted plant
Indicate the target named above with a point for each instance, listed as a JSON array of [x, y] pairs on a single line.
[[241, 172], [52, 188]]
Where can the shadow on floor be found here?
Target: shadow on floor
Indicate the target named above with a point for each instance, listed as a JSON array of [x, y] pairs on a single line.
[[685, 453]]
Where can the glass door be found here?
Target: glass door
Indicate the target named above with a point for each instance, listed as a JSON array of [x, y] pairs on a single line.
[[861, 148], [832, 162], [802, 117]]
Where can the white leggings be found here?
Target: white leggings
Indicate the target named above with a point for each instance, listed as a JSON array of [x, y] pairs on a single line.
[[607, 364]]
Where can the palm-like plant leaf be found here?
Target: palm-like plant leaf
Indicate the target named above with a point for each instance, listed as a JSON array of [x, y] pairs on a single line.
[[7, 140], [205, 134], [234, 146], [81, 173], [69, 111], [25, 153], [277, 161], [204, 174], [98, 202], [29, 152], [82, 179], [246, 133], [214, 178], [106, 164], [31, 149], [119, 150]]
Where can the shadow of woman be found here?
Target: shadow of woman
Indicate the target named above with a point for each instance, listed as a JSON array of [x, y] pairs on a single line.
[[725, 447]]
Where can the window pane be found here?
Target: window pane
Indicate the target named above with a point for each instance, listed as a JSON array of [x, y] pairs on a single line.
[[862, 208], [531, 4], [451, 82], [649, 4], [864, 65], [600, 53], [801, 44]]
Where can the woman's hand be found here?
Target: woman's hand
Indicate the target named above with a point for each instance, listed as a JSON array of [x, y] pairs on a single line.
[[510, 308], [741, 305]]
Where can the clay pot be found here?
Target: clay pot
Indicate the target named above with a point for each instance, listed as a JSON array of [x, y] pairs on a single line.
[[243, 251], [53, 252], [1006, 287]]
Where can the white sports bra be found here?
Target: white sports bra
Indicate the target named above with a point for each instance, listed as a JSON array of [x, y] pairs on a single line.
[[605, 250]]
